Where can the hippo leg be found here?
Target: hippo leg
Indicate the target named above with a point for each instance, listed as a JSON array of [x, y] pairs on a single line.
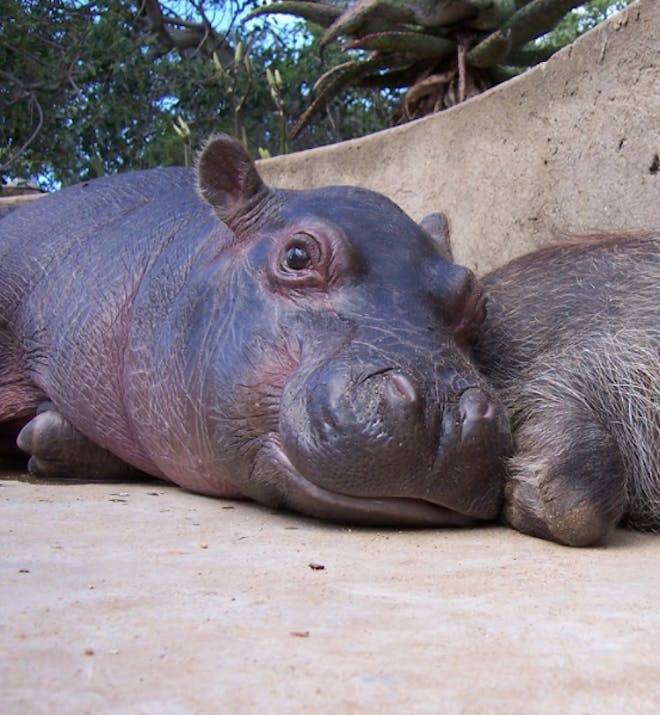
[[58, 451], [567, 480]]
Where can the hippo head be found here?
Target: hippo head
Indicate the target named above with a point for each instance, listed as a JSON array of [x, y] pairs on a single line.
[[342, 383]]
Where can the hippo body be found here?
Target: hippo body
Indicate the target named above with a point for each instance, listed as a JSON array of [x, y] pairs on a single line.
[[309, 350], [572, 343]]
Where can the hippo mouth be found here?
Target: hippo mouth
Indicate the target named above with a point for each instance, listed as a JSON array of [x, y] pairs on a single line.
[[298, 493]]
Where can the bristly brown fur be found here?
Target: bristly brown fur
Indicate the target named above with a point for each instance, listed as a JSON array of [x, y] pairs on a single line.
[[572, 340]]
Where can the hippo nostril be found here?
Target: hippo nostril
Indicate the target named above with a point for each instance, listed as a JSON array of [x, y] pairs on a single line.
[[474, 403], [399, 388], [474, 406]]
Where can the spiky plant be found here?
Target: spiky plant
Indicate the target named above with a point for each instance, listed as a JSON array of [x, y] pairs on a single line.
[[440, 52]]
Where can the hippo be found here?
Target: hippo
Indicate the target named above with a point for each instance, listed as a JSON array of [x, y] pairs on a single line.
[[309, 350], [571, 343]]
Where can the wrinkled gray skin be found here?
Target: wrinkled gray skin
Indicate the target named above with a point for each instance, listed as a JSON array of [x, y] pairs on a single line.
[[572, 342], [309, 350]]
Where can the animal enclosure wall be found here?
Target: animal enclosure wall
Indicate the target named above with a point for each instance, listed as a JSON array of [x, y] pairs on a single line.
[[572, 145]]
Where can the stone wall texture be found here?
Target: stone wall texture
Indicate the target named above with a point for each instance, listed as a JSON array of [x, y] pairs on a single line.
[[571, 146]]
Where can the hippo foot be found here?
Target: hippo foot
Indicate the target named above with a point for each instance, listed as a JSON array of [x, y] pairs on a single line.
[[566, 482], [58, 451]]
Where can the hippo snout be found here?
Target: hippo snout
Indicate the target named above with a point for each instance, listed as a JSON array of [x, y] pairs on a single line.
[[351, 431], [375, 405], [390, 432]]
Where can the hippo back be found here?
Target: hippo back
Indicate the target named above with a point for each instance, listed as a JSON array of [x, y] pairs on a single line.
[[70, 266], [41, 234]]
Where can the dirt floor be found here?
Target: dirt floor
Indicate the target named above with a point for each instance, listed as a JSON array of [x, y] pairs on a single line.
[[143, 598]]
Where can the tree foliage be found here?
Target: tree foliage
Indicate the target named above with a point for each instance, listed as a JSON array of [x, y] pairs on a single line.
[[88, 88]]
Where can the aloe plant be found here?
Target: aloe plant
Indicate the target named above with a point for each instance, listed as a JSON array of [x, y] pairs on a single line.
[[440, 52]]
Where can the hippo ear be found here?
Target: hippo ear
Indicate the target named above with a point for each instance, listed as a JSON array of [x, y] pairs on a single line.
[[466, 306], [227, 178], [437, 227]]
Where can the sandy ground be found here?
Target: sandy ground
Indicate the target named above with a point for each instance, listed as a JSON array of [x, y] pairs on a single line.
[[143, 598]]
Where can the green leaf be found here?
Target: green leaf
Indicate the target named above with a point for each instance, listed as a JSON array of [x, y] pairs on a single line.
[[331, 83], [416, 44], [316, 12]]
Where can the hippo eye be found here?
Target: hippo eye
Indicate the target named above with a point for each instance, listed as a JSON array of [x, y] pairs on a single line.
[[300, 260], [302, 255], [297, 258]]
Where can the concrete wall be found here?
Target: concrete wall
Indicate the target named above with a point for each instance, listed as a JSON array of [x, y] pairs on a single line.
[[572, 145], [11, 198]]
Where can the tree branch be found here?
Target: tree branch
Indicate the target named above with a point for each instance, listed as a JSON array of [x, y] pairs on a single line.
[[176, 33], [13, 156]]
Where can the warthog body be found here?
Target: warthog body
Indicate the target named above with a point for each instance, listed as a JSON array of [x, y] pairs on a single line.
[[572, 343]]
